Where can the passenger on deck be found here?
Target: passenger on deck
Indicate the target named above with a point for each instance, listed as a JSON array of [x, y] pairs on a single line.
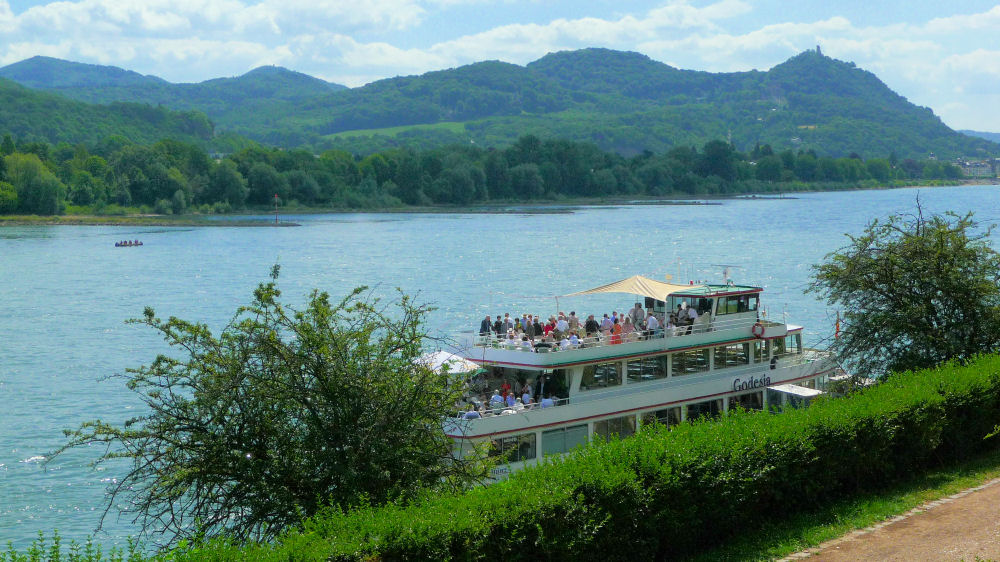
[[574, 322], [574, 341], [510, 401], [471, 414], [526, 399], [526, 343], [616, 333], [590, 327], [607, 324], [547, 402], [692, 316], [628, 330], [486, 326], [538, 326], [518, 405], [496, 401], [498, 326], [564, 343], [504, 389], [652, 326], [637, 315], [562, 325]]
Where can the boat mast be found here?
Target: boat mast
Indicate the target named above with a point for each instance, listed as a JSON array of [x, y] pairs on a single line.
[[275, 208]]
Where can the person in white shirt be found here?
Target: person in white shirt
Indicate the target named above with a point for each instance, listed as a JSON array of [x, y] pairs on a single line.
[[692, 316], [652, 326]]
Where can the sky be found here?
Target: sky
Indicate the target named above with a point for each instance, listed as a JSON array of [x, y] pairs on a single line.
[[942, 55]]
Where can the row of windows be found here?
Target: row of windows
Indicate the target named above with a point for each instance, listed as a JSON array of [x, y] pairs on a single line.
[[522, 447], [689, 362]]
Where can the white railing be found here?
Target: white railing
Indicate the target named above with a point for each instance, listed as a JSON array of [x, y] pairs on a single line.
[[600, 340], [487, 412]]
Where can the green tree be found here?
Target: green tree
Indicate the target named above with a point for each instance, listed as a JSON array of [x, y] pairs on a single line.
[[769, 168], [8, 198], [283, 413], [7, 146], [879, 169], [39, 191], [225, 183], [914, 291]]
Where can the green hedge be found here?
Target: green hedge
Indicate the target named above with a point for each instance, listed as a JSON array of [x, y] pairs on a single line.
[[666, 494]]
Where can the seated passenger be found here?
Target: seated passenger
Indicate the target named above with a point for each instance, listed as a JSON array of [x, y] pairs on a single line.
[[547, 402], [526, 399], [472, 414], [510, 401], [518, 405], [496, 401], [564, 343], [526, 343], [574, 341]]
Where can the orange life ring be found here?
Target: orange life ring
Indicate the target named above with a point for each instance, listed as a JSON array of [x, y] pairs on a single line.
[[757, 330]]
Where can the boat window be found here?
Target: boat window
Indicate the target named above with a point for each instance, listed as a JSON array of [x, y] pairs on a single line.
[[552, 383], [513, 448], [751, 401], [647, 369], [564, 439], [788, 345], [622, 427], [668, 417], [809, 383], [690, 362], [762, 351], [735, 355], [710, 409], [601, 375], [738, 303]]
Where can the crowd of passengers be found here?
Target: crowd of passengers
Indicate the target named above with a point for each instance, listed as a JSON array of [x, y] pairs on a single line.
[[568, 332], [507, 400]]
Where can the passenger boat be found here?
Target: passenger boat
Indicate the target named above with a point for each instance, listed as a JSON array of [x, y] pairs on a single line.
[[732, 356]]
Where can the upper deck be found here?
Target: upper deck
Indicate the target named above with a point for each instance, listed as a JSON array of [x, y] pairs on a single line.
[[727, 314]]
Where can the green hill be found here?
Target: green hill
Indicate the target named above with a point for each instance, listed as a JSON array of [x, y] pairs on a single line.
[[621, 101], [31, 115]]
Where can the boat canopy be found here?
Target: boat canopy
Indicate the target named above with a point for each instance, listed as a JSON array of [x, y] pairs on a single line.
[[639, 285]]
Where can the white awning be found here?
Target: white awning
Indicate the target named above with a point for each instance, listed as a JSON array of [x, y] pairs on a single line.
[[796, 390], [639, 285]]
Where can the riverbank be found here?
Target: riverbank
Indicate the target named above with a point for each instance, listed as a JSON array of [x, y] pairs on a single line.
[[555, 206]]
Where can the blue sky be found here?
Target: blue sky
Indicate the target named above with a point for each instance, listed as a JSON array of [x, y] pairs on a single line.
[[943, 55]]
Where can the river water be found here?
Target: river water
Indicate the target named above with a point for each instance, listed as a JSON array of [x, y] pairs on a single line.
[[65, 293]]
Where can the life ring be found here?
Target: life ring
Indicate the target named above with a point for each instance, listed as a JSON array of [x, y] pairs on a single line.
[[757, 330]]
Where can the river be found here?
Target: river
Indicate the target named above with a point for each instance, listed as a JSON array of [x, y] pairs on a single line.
[[65, 293]]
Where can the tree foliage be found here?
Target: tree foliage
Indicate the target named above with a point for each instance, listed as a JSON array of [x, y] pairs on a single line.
[[914, 291], [284, 412]]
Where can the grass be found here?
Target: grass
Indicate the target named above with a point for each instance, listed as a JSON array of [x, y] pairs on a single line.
[[450, 126], [780, 538]]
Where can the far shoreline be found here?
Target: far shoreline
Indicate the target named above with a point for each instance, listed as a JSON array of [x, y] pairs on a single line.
[[511, 207]]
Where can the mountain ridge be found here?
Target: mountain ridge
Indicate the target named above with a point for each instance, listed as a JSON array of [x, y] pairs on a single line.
[[622, 101]]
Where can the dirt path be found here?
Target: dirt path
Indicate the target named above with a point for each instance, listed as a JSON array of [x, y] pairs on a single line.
[[960, 527]]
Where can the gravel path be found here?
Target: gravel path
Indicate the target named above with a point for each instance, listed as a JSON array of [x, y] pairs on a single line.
[[963, 526]]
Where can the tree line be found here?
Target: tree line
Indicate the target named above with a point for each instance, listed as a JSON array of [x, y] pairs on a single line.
[[174, 177]]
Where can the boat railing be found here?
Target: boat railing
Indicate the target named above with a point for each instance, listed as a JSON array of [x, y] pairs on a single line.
[[487, 412], [601, 339]]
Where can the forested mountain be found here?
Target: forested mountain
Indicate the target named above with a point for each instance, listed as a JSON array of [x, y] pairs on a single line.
[[995, 137], [620, 101], [268, 89], [33, 115]]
